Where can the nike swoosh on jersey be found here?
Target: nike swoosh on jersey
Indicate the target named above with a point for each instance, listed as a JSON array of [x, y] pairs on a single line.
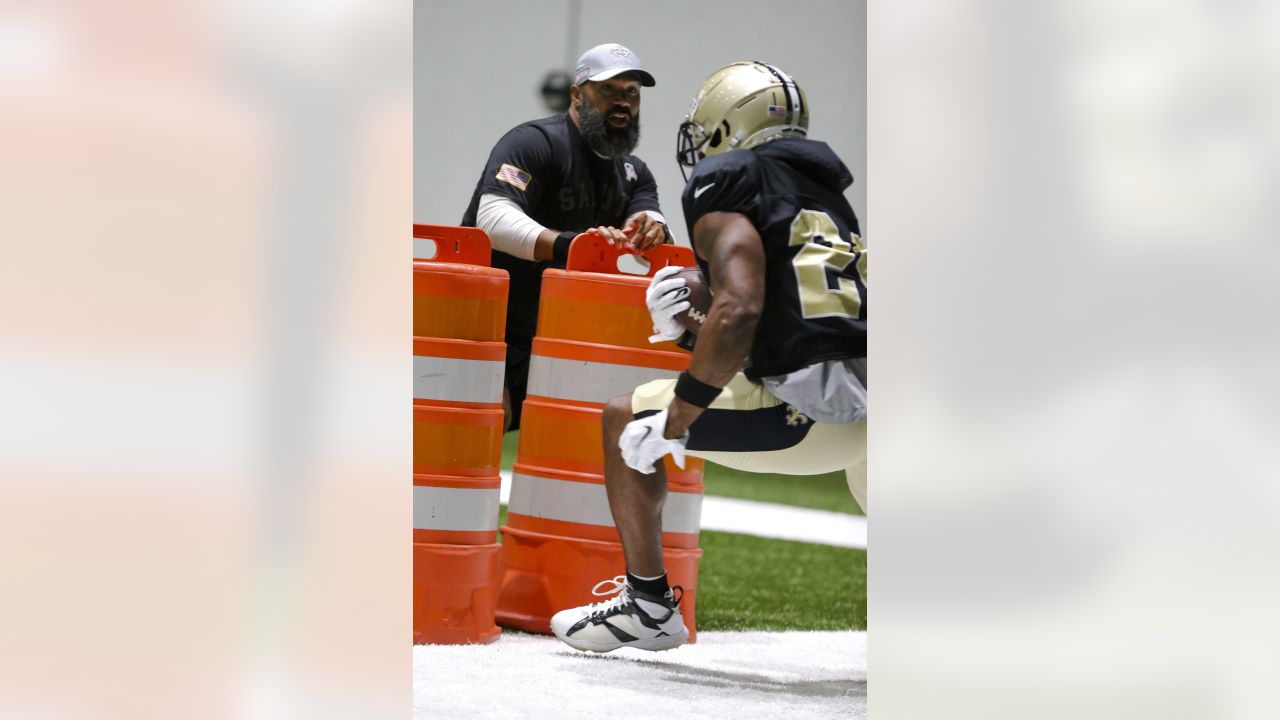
[[701, 190]]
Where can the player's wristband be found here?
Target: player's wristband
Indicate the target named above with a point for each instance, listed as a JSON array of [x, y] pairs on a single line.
[[695, 392], [560, 249]]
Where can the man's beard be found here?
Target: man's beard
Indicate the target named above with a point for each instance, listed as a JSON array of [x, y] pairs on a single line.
[[604, 139]]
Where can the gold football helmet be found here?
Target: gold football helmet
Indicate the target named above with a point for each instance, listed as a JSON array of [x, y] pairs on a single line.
[[740, 106]]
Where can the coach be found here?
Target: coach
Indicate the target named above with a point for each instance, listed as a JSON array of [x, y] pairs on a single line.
[[549, 179]]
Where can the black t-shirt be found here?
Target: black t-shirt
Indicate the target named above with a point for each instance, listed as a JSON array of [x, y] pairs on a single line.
[[815, 305], [547, 168]]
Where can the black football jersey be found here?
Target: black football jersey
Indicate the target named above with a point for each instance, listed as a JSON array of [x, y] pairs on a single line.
[[792, 189], [547, 168]]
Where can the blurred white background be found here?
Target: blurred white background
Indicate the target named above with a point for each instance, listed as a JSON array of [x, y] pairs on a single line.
[[204, 360], [1073, 458]]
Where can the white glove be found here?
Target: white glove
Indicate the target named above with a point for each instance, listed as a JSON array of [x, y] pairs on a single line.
[[666, 299], [642, 443]]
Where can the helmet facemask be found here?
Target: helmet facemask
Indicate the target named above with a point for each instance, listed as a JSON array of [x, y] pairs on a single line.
[[690, 139], [693, 143]]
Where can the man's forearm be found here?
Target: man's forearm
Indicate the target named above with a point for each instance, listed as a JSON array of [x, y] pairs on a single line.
[[723, 343], [735, 254], [544, 246]]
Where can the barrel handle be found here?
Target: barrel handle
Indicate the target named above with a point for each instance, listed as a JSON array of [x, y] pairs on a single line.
[[463, 245], [592, 253]]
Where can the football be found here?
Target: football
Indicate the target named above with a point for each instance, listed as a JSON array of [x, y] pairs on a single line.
[[699, 297]]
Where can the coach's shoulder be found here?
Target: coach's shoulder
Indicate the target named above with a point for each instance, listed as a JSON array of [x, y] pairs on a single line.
[[542, 132], [528, 146]]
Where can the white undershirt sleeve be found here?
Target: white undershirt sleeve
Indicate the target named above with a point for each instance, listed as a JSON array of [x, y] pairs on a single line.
[[509, 228]]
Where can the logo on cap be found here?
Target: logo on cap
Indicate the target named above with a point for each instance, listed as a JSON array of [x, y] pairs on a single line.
[[620, 51]]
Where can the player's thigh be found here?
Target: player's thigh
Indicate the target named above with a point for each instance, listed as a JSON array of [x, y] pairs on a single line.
[[747, 428]]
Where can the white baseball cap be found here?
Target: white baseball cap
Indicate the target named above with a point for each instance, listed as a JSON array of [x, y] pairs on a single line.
[[604, 61]]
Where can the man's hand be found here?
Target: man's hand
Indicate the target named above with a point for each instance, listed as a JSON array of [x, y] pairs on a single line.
[[642, 443], [640, 233], [665, 301], [644, 232], [613, 235]]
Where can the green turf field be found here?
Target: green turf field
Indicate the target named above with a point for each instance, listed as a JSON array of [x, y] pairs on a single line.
[[751, 583]]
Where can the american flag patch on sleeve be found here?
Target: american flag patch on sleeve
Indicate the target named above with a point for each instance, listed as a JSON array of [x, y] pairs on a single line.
[[513, 175]]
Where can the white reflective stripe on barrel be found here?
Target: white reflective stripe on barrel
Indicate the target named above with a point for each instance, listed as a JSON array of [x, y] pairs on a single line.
[[462, 509], [454, 380], [587, 381], [587, 503]]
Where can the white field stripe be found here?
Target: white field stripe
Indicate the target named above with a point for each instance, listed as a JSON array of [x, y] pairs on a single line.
[[784, 522], [781, 522], [793, 675], [587, 381], [454, 380], [463, 509], [587, 503]]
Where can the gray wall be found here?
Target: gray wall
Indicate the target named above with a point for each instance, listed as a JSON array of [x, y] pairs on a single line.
[[478, 65]]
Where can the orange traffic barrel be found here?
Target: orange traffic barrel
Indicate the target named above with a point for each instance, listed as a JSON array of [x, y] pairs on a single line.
[[591, 345], [455, 559], [459, 316]]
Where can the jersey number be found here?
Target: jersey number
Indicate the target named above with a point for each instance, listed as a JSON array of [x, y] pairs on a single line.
[[825, 267]]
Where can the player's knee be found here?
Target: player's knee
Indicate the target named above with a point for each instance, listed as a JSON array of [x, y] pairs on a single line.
[[617, 412]]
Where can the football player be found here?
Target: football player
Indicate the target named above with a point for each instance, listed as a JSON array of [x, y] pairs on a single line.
[[777, 381]]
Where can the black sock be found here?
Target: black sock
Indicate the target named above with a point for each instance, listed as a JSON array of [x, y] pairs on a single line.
[[657, 586]]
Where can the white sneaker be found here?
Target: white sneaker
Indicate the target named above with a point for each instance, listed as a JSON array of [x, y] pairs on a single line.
[[629, 619]]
